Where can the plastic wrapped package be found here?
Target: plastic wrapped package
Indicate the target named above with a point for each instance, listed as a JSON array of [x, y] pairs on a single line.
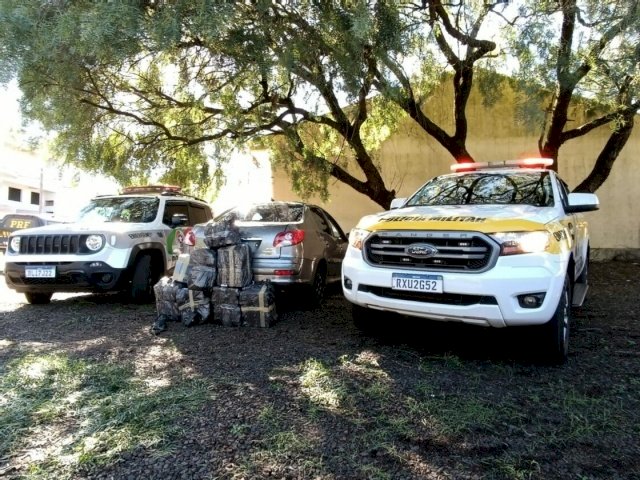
[[220, 295], [182, 268], [194, 306], [221, 233], [258, 305], [201, 278], [165, 291], [234, 266], [226, 309], [227, 315], [203, 256]]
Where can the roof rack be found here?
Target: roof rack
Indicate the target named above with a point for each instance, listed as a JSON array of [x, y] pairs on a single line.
[[165, 190], [522, 163]]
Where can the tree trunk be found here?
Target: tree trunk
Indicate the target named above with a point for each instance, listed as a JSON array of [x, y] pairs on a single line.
[[608, 156]]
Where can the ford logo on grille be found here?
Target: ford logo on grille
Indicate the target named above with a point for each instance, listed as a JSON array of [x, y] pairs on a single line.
[[422, 250]]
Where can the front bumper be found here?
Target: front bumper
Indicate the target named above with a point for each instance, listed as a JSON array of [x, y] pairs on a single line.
[[85, 276], [489, 298]]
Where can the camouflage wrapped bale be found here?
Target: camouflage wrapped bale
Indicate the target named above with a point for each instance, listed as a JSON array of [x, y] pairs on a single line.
[[165, 291], [194, 306], [201, 278], [224, 295], [228, 315], [226, 309], [258, 305], [234, 266], [203, 256], [221, 233]]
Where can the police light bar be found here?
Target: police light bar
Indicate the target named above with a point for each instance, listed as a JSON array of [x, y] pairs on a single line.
[[522, 163], [468, 166], [152, 189]]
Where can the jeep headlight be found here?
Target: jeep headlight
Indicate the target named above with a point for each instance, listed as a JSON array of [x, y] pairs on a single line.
[[357, 236], [513, 243], [14, 245], [94, 242]]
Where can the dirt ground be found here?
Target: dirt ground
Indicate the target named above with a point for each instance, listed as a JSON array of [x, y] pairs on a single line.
[[312, 397]]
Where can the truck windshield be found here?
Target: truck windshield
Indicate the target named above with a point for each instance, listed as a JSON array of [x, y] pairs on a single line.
[[528, 188], [120, 209]]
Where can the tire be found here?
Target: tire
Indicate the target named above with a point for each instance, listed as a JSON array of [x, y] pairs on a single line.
[[555, 333], [38, 298], [318, 287], [367, 320], [142, 281]]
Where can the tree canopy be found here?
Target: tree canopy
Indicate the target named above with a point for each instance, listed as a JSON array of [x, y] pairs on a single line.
[[140, 86]]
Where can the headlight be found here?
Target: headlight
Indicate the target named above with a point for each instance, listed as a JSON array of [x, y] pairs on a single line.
[[15, 244], [513, 243], [94, 242], [357, 236]]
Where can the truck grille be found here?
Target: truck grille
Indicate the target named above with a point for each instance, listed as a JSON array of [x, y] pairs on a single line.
[[53, 244], [432, 250]]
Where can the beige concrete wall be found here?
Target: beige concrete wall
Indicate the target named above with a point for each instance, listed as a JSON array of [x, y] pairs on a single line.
[[411, 157]]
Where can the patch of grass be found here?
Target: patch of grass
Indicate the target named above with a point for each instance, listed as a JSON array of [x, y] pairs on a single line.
[[512, 468], [65, 412], [321, 385]]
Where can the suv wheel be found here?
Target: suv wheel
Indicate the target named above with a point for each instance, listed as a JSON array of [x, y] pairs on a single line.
[[555, 333], [37, 298], [142, 280]]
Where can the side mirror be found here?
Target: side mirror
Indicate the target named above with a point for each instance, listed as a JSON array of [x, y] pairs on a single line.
[[178, 220], [397, 202], [582, 202]]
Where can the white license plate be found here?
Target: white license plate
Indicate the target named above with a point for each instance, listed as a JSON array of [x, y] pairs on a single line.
[[40, 272], [416, 282]]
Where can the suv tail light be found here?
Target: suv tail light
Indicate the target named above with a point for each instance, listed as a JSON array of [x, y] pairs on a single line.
[[286, 239]]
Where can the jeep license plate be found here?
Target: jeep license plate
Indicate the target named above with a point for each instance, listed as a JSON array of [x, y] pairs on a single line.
[[416, 282], [40, 272]]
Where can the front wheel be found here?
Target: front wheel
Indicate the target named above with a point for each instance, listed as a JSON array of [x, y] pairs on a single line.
[[555, 333], [38, 298], [142, 281]]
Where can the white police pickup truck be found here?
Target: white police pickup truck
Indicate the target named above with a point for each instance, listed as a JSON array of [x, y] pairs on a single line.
[[121, 243], [498, 245]]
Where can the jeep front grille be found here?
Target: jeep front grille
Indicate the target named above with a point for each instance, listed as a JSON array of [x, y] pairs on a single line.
[[54, 244], [432, 250]]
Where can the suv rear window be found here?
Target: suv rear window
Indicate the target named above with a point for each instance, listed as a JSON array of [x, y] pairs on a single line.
[[266, 213]]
